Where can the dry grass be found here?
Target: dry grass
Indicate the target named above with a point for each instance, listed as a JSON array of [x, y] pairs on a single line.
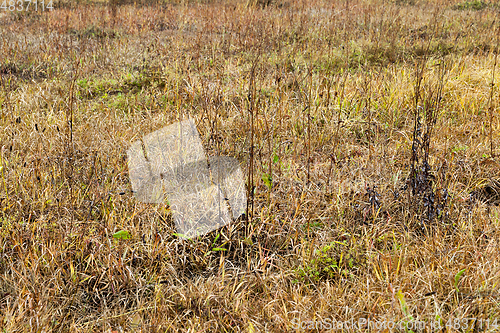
[[355, 213]]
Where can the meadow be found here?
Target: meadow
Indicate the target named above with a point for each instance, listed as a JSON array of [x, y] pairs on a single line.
[[368, 132]]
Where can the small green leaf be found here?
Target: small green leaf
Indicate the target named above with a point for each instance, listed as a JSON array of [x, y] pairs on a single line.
[[216, 238], [275, 159], [459, 148], [219, 249], [182, 236], [457, 278], [404, 306], [122, 234], [267, 180]]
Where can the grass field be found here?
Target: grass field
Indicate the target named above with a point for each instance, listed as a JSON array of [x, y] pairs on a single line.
[[368, 132]]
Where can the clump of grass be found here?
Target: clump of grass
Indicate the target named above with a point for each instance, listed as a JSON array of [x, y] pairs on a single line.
[[472, 5], [489, 193], [332, 108], [331, 261]]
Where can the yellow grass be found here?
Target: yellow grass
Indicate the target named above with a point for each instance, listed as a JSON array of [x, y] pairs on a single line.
[[331, 86]]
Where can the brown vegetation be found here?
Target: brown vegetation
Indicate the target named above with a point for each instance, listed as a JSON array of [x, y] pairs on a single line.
[[369, 132]]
